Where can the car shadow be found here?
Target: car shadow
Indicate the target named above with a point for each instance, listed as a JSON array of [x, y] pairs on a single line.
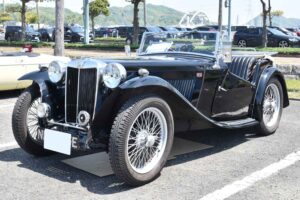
[[220, 140]]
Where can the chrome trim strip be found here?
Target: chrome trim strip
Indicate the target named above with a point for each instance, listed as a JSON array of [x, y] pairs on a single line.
[[77, 100], [66, 92], [97, 88], [67, 125]]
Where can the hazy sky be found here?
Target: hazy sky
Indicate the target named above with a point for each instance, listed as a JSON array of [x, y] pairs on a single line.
[[243, 10]]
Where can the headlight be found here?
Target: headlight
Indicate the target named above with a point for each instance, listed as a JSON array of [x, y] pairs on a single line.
[[56, 71], [113, 74]]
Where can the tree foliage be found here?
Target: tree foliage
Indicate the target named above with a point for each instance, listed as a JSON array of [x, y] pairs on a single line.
[[277, 13], [98, 7], [31, 18], [4, 17]]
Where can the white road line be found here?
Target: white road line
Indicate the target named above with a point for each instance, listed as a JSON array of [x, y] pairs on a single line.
[[7, 105], [248, 181], [8, 145]]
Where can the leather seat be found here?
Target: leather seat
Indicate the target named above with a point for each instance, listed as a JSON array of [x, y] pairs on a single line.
[[243, 67]]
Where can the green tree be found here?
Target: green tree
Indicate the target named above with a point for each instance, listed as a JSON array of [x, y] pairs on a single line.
[[136, 26], [4, 17], [277, 13], [98, 7], [31, 18]]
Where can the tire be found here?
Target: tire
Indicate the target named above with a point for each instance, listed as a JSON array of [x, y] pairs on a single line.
[[283, 44], [242, 43], [123, 127], [267, 125], [19, 123]]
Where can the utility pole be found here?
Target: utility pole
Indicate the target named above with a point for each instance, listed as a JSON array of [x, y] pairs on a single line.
[[145, 13], [86, 18], [59, 28], [228, 5], [220, 21]]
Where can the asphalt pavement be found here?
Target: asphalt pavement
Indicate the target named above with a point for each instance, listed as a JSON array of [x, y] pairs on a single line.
[[239, 165]]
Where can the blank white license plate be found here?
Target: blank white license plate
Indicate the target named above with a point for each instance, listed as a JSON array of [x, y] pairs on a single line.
[[57, 141]]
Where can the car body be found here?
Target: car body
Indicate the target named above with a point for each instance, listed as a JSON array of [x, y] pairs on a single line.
[[46, 34], [252, 37], [14, 65], [13, 33], [132, 107]]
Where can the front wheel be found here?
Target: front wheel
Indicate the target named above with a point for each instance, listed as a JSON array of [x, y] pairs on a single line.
[[271, 108], [25, 123], [141, 139]]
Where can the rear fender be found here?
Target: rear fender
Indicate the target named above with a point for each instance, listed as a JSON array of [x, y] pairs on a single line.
[[265, 77]]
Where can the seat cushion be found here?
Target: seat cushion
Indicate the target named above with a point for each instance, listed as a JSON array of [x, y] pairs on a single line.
[[243, 67]]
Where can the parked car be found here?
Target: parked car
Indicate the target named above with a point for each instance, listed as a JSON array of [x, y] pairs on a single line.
[[13, 33], [73, 34], [104, 31], [46, 34], [14, 65], [252, 37], [294, 30], [132, 107]]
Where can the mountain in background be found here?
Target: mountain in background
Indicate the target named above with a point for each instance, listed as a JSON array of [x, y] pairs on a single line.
[[277, 21], [156, 15]]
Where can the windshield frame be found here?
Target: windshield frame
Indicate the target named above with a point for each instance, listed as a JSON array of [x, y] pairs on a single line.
[[214, 54]]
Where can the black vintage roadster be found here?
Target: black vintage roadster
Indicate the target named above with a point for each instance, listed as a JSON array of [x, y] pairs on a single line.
[[132, 107]]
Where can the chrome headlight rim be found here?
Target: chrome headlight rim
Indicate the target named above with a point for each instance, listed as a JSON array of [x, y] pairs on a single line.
[[113, 75], [56, 71]]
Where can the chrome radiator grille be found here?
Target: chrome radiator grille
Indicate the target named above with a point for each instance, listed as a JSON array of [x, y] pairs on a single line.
[[81, 91], [185, 87]]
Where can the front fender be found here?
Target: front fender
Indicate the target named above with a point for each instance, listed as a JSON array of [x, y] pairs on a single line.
[[40, 78], [265, 77]]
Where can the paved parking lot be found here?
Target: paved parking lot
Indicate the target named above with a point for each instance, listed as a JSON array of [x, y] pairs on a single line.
[[239, 165]]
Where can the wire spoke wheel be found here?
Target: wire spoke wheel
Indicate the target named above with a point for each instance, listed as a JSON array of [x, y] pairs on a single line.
[[271, 105], [147, 140], [32, 121]]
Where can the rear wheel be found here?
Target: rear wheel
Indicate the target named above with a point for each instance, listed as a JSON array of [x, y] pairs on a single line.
[[271, 108], [25, 123], [283, 44], [141, 140], [242, 43]]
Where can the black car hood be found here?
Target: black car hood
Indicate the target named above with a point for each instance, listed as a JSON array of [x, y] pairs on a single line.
[[155, 62]]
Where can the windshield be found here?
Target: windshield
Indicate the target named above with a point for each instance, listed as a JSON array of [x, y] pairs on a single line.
[[202, 42], [77, 29], [276, 32]]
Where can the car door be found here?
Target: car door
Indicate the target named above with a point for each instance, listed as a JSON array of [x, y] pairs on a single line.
[[11, 68], [254, 37], [233, 97]]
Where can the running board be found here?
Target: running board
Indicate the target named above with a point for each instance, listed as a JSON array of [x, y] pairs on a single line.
[[235, 124]]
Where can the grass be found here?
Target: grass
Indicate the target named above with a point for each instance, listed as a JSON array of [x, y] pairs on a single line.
[[20, 44], [291, 51], [293, 88]]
